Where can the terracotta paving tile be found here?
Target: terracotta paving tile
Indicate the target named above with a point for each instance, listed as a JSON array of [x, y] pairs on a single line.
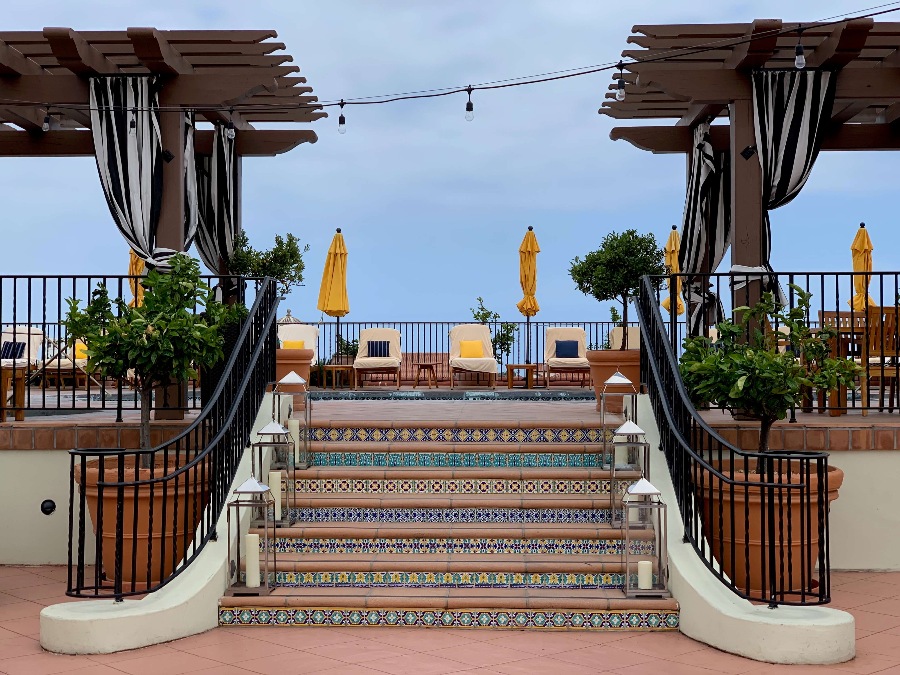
[[220, 669], [874, 622], [29, 626], [480, 654], [238, 649], [604, 657], [417, 664], [715, 660], [662, 645], [22, 581], [352, 669], [170, 664], [361, 651], [885, 644], [19, 610], [429, 640], [290, 663], [41, 664], [865, 663], [889, 606], [96, 669], [118, 657], [552, 643], [773, 669], [841, 599], [872, 587], [13, 647], [302, 637], [545, 664], [844, 577]]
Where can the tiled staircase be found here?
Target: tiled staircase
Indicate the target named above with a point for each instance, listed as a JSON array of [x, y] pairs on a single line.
[[472, 525]]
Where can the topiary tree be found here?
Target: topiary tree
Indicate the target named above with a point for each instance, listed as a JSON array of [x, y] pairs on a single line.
[[614, 271], [762, 372], [505, 335], [283, 262], [164, 339]]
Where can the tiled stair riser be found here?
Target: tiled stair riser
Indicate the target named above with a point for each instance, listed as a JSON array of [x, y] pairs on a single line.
[[450, 515], [457, 435], [461, 459], [428, 546], [450, 618], [454, 486]]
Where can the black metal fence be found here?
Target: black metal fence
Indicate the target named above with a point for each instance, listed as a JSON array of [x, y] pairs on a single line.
[[153, 511], [50, 374], [758, 522], [861, 307]]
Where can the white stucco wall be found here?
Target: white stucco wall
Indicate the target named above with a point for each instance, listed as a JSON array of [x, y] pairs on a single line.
[[28, 477]]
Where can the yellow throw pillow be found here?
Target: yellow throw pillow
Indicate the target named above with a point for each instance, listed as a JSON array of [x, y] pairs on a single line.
[[80, 350], [293, 344], [471, 349]]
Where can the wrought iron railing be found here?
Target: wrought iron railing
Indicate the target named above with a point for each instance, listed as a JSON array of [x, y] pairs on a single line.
[[153, 511], [51, 374], [758, 522]]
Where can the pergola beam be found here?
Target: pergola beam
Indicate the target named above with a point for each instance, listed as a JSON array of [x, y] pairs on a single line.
[[845, 44], [13, 62], [698, 112], [72, 51], [762, 40], [156, 54], [668, 139], [80, 143]]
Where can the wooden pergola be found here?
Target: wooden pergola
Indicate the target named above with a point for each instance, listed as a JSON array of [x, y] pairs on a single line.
[[45, 73], [705, 75]]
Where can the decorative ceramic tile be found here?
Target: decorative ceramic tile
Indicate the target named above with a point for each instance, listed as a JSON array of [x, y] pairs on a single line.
[[450, 618], [455, 395], [396, 579], [461, 459], [457, 486], [431, 545], [465, 435], [356, 514]]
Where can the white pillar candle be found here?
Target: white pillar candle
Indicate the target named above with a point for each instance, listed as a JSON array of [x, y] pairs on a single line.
[[275, 487], [251, 561], [293, 426], [645, 575]]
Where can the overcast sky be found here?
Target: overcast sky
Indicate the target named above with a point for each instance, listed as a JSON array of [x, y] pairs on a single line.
[[433, 208]]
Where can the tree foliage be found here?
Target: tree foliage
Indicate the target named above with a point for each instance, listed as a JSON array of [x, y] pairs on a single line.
[[504, 336], [614, 271], [763, 372], [283, 262], [176, 329]]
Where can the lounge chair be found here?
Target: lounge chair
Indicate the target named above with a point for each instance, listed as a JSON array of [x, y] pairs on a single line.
[[471, 351], [562, 357], [617, 333], [64, 371], [20, 351], [291, 333], [379, 352]]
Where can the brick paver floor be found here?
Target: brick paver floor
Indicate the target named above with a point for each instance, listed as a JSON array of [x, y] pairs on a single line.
[[873, 598]]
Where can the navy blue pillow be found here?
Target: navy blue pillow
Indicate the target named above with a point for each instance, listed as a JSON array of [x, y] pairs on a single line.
[[12, 350], [567, 349], [380, 348]]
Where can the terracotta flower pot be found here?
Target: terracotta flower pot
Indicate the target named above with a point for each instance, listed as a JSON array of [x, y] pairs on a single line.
[[178, 510], [721, 532], [604, 363]]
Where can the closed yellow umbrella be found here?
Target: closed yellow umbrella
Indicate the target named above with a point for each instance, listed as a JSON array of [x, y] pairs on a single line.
[[861, 248], [333, 292], [528, 305], [673, 245], [135, 269]]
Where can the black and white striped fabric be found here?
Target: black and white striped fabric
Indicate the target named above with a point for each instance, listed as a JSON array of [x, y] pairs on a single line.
[[216, 181], [128, 149], [191, 204], [791, 109], [706, 228]]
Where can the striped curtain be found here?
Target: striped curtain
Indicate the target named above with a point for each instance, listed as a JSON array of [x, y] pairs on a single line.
[[191, 203], [706, 228], [791, 109], [128, 149], [217, 202]]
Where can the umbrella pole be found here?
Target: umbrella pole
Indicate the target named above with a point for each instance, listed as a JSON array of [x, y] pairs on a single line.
[[527, 339], [337, 339]]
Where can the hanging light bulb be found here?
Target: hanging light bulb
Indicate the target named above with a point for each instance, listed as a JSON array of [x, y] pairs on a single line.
[[46, 125], [132, 126], [620, 87], [470, 109], [799, 58], [342, 121], [229, 126]]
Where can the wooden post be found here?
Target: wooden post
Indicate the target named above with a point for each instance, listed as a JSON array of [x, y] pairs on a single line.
[[747, 211], [170, 234]]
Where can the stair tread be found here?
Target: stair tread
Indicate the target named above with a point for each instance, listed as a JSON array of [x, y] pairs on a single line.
[[458, 447], [473, 473], [484, 500], [359, 530], [597, 599]]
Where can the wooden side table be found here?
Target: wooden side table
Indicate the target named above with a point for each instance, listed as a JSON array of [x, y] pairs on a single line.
[[426, 369], [530, 373], [337, 368], [16, 376]]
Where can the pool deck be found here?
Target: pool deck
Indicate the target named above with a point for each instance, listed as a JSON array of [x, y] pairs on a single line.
[[873, 598]]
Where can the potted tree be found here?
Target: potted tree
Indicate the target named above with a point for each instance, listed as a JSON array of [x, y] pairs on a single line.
[[613, 272], [162, 340], [284, 263], [762, 373]]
